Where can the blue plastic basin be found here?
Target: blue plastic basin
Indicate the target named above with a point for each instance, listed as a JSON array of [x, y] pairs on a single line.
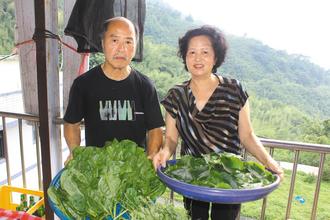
[[216, 195]]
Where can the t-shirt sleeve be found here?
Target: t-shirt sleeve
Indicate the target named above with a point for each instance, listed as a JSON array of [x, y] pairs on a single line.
[[242, 94], [74, 110], [153, 115], [170, 103]]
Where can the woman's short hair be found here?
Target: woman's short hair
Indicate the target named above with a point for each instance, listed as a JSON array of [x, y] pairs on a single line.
[[216, 37]]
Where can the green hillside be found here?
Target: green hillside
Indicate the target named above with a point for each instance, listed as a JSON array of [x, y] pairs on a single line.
[[275, 75], [164, 24], [290, 96], [7, 21], [265, 72]]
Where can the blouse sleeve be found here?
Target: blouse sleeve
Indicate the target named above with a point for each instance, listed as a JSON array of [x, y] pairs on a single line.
[[242, 94], [170, 103]]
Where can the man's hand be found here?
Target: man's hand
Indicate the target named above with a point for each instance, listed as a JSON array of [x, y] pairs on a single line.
[[70, 157], [151, 156]]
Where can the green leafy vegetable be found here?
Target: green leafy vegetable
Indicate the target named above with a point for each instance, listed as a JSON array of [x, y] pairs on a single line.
[[225, 170], [98, 179]]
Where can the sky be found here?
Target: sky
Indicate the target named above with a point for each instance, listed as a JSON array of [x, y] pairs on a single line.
[[296, 26]]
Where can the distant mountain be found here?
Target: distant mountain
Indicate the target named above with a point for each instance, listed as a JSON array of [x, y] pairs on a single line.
[[7, 22], [266, 73], [276, 75], [164, 24], [287, 91]]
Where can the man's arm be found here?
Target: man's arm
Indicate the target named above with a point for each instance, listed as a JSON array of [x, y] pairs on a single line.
[[171, 142], [155, 141], [72, 135]]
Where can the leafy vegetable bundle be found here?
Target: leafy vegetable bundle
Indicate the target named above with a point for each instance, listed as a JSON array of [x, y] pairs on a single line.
[[225, 170], [96, 180]]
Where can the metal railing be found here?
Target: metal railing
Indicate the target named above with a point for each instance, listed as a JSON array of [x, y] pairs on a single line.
[[34, 121], [296, 147]]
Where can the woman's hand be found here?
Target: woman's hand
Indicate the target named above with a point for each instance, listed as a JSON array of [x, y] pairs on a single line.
[[275, 167], [160, 158]]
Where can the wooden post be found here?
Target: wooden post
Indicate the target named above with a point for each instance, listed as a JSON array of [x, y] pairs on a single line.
[[28, 65], [53, 87], [40, 78], [27, 54], [43, 100]]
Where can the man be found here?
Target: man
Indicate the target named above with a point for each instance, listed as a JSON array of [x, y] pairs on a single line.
[[114, 100]]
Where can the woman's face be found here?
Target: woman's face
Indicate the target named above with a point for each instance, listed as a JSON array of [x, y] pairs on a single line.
[[200, 57]]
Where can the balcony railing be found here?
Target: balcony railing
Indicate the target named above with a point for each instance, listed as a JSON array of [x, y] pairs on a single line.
[[296, 147], [10, 119]]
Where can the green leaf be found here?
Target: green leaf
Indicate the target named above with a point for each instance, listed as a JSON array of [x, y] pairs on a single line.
[[97, 179], [223, 170]]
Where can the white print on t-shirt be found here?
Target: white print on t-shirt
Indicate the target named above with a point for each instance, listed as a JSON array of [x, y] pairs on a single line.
[[116, 110]]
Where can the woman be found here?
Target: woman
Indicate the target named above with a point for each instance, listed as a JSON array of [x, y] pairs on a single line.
[[210, 113]]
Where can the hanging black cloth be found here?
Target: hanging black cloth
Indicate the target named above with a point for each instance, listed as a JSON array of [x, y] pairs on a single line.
[[87, 17]]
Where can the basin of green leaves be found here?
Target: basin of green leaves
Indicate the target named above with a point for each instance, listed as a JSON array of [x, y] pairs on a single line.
[[224, 170], [96, 180]]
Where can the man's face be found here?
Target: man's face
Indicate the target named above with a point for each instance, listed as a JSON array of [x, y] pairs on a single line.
[[119, 44]]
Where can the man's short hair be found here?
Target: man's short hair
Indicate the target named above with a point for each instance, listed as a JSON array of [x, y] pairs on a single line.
[[107, 22]]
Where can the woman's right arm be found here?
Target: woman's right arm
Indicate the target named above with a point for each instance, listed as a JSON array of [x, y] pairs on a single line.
[[171, 142]]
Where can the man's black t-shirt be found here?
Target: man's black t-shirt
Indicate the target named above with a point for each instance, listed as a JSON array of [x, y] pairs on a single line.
[[111, 109]]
